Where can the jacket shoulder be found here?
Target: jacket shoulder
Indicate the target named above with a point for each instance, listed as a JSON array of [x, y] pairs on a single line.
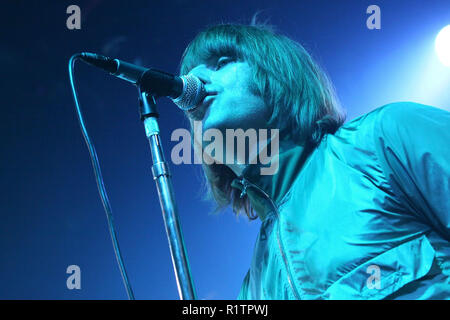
[[407, 115], [394, 121]]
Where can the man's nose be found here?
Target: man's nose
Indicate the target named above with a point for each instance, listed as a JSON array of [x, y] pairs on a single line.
[[203, 73]]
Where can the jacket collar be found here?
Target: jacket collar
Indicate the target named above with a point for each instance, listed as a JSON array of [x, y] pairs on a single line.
[[265, 192]]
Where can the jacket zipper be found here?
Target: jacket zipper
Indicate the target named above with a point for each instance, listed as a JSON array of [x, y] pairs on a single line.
[[245, 183]]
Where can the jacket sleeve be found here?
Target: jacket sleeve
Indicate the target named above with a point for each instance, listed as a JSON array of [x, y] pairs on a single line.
[[413, 143]]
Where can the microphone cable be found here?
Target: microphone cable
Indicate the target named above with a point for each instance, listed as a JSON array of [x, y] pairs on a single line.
[[99, 180]]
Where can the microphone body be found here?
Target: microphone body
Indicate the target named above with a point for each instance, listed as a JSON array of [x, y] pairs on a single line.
[[185, 91]]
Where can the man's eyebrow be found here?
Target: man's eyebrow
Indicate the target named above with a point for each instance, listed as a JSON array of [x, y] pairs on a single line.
[[210, 55], [218, 52], [211, 59]]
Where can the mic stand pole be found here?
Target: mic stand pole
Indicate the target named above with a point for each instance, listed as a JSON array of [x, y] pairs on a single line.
[[162, 177]]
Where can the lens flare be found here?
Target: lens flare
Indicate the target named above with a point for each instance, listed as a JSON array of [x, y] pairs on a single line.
[[442, 45]]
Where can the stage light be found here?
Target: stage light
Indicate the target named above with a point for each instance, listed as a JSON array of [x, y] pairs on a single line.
[[442, 45]]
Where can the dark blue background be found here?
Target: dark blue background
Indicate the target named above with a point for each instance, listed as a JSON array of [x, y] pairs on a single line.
[[51, 214]]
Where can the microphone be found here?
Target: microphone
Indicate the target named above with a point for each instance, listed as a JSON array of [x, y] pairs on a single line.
[[185, 91]]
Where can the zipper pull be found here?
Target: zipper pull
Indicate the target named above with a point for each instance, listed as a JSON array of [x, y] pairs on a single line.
[[245, 186]]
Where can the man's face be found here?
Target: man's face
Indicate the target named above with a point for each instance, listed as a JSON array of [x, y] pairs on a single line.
[[232, 102]]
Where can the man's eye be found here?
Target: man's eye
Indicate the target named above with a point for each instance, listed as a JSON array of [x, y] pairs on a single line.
[[222, 62]]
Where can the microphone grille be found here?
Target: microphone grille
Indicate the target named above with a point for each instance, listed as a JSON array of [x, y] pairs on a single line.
[[193, 93]]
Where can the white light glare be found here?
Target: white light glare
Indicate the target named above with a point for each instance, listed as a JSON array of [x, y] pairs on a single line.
[[442, 45]]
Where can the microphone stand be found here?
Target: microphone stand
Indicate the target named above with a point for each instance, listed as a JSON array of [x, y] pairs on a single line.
[[162, 177]]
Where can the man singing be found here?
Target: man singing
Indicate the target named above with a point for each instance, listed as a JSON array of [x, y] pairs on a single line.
[[356, 210]]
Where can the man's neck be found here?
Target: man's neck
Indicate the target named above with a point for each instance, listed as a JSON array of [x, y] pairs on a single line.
[[239, 168]]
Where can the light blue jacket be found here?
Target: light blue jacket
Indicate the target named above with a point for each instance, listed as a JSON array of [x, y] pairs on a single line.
[[363, 216]]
